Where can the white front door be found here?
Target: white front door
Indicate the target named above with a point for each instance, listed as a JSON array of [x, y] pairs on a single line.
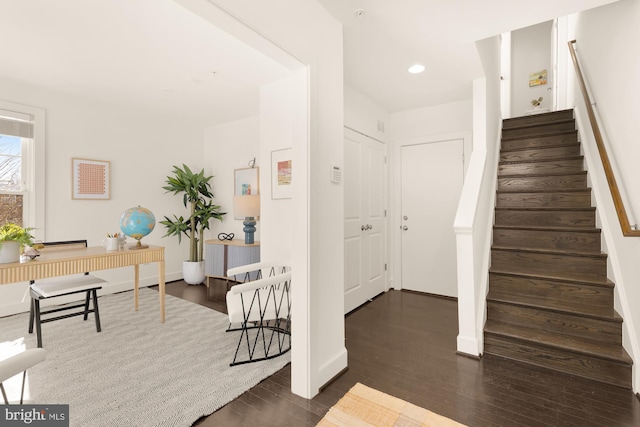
[[431, 177], [364, 222]]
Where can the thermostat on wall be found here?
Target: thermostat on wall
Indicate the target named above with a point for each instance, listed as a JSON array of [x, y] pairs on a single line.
[[335, 174]]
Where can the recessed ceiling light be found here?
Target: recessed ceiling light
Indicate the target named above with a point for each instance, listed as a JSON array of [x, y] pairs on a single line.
[[416, 68]]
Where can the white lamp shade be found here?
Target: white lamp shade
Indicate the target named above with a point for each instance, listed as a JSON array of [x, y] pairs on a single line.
[[245, 206]]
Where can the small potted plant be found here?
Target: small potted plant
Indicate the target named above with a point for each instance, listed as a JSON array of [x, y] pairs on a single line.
[[197, 197], [13, 238], [536, 103]]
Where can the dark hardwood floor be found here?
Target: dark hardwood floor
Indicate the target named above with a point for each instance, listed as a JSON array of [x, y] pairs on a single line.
[[404, 344]]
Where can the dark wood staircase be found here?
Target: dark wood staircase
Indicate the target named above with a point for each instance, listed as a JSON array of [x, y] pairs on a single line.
[[550, 302]]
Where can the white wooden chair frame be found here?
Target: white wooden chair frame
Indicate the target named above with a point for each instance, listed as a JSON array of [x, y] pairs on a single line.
[[261, 310], [19, 363]]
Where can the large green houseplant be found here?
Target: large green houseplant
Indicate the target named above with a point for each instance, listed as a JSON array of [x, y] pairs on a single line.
[[197, 197], [12, 238]]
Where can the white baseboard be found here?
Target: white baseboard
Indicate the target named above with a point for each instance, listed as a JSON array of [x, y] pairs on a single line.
[[468, 346], [329, 370]]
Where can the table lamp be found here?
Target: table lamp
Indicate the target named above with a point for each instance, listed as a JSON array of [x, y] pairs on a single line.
[[247, 207]]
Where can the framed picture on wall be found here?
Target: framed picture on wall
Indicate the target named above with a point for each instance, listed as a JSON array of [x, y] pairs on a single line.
[[281, 178], [91, 179], [246, 182]]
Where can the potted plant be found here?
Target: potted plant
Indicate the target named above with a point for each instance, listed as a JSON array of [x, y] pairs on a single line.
[[197, 197], [12, 239], [536, 102]]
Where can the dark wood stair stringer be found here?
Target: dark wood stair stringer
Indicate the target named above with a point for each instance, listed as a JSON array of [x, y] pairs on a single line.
[[550, 302]]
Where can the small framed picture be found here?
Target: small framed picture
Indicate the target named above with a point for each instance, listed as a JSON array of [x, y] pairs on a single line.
[[91, 179], [246, 182], [281, 178]]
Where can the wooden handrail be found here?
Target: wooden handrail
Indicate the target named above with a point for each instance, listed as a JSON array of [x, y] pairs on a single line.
[[608, 170]]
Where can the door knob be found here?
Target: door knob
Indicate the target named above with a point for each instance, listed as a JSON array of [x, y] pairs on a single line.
[[405, 217], [405, 228]]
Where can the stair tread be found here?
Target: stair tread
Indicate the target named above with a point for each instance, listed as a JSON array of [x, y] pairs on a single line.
[[537, 175], [538, 135], [548, 209], [564, 252], [544, 147], [601, 283], [537, 123], [590, 311], [546, 160], [583, 346], [537, 117], [545, 191], [548, 228]]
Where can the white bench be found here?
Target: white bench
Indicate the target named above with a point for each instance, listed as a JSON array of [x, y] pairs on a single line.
[[61, 286]]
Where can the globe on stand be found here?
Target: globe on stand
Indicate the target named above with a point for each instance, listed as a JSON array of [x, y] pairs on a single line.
[[136, 223]]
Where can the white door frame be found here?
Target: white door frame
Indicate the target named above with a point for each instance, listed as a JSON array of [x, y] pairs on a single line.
[[394, 273]]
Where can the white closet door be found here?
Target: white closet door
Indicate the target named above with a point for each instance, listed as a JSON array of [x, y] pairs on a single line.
[[364, 224]]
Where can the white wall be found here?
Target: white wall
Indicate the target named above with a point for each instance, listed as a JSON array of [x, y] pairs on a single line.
[[227, 147], [530, 53], [436, 120], [277, 101], [142, 149], [365, 116], [611, 71], [302, 34]]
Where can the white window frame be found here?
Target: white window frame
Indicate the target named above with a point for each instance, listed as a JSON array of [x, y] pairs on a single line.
[[33, 169]]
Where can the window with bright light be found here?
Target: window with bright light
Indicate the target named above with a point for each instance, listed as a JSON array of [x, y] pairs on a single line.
[[11, 184], [22, 165]]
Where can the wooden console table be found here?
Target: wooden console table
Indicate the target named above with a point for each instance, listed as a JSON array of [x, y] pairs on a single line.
[[76, 261]]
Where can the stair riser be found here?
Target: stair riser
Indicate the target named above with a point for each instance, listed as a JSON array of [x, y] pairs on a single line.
[[609, 332], [538, 118], [540, 153], [556, 167], [538, 130], [557, 265], [541, 292], [546, 218], [540, 141], [544, 200], [576, 241], [544, 183], [605, 371]]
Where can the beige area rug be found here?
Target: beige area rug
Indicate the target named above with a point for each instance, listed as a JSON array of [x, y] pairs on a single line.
[[364, 406], [137, 371]]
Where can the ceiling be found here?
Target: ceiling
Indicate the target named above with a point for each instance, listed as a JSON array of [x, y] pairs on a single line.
[[389, 36], [153, 55], [157, 56]]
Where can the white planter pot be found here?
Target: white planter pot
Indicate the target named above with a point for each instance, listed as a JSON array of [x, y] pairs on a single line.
[[10, 252], [193, 272]]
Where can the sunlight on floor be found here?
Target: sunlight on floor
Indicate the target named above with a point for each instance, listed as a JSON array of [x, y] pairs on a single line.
[[12, 385]]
